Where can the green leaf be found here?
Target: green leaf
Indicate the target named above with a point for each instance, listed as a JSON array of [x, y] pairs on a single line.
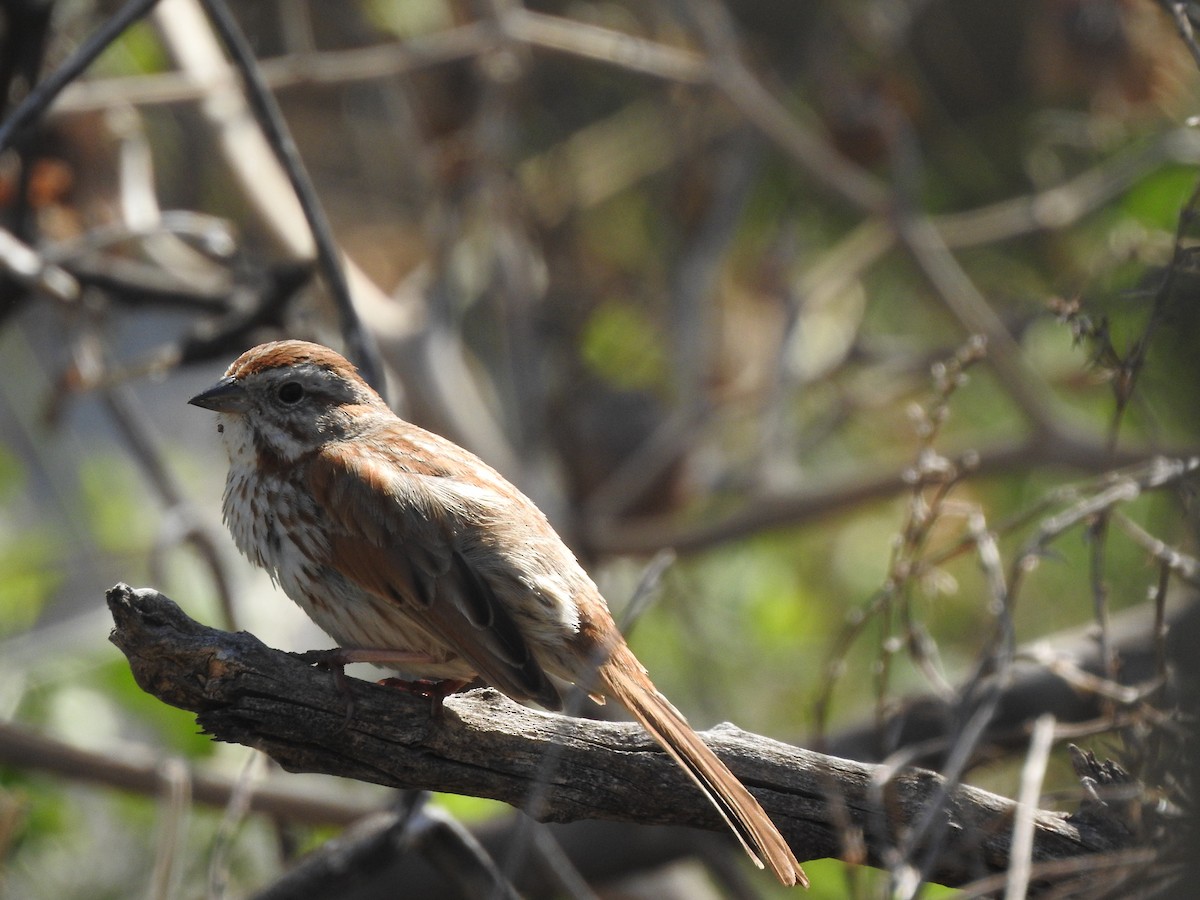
[[622, 345]]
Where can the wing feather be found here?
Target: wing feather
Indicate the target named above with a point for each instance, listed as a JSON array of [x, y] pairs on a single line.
[[394, 535]]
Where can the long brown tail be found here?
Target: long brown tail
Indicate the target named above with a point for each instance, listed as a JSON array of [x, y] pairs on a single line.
[[623, 678]]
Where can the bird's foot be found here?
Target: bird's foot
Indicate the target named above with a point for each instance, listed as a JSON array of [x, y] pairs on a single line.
[[435, 690]]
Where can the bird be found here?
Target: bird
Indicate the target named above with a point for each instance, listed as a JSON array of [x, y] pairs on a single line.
[[415, 555]]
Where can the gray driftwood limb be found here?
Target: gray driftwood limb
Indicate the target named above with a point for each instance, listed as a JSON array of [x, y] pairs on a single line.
[[556, 768]]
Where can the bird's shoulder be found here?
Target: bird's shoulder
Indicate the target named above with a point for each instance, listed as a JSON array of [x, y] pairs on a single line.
[[394, 468]]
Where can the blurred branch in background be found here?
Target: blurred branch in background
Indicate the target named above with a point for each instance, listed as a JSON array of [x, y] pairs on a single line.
[[881, 316]]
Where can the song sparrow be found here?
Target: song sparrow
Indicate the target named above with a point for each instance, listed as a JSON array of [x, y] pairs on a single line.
[[414, 554]]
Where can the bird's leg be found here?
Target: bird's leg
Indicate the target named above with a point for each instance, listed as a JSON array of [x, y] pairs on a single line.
[[336, 660], [332, 662]]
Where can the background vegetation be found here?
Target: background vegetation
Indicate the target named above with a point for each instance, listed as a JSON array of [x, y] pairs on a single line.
[[872, 324]]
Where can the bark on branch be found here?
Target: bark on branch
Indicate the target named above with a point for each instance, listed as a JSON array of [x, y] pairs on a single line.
[[558, 768]]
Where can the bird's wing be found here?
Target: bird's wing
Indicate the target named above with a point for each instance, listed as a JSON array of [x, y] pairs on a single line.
[[407, 537]]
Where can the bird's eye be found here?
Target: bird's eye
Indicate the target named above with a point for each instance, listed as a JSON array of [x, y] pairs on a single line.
[[290, 392]]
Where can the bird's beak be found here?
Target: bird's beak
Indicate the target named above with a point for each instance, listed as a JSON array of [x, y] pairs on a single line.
[[226, 396]]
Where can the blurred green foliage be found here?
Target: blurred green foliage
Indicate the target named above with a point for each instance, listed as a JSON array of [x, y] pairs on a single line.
[[137, 51], [27, 575], [113, 498], [621, 344]]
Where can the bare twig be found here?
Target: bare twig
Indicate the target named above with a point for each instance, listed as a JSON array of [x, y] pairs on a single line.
[[39, 99], [175, 806], [1111, 490], [297, 70], [963, 299], [1032, 775], [1063, 204], [32, 270], [138, 769], [1175, 561], [232, 817], [1111, 870], [1060, 673], [605, 45], [359, 345], [1131, 368], [799, 507], [1178, 11]]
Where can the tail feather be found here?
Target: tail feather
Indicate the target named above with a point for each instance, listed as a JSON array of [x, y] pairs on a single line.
[[624, 679]]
